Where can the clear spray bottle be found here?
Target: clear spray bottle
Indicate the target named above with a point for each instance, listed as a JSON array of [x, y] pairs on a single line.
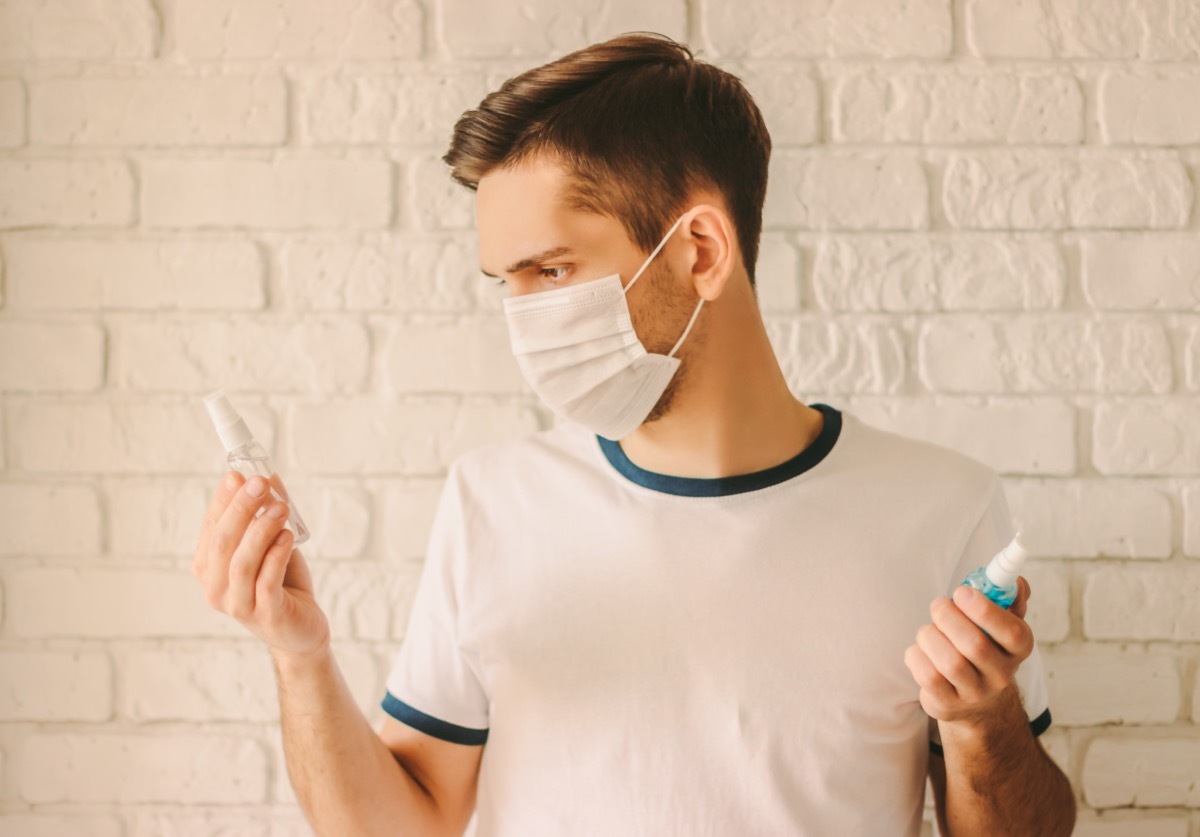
[[998, 580], [249, 458]]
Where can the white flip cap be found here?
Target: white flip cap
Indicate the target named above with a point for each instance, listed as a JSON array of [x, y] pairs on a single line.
[[1006, 566], [233, 431]]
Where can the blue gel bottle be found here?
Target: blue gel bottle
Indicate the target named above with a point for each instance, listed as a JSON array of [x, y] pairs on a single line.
[[998, 580]]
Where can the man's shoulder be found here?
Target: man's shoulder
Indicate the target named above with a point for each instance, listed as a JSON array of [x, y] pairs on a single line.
[[510, 458], [922, 462]]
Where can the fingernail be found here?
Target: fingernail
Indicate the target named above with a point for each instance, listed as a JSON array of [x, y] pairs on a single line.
[[277, 510], [968, 593], [255, 487], [230, 481]]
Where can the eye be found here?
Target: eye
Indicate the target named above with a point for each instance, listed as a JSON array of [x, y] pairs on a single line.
[[542, 271]]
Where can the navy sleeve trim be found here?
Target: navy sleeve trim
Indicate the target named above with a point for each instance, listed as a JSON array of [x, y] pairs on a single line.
[[430, 725], [1037, 726]]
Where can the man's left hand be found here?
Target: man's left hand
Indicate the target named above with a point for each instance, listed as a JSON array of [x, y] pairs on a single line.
[[961, 671]]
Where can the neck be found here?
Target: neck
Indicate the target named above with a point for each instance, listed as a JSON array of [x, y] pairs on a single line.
[[734, 413]]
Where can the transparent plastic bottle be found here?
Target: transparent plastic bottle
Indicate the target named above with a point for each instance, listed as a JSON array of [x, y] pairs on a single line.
[[246, 456], [998, 580]]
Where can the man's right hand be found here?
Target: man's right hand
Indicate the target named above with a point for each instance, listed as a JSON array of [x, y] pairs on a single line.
[[250, 570]]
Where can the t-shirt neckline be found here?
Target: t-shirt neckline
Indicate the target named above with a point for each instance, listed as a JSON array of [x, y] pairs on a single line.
[[739, 483]]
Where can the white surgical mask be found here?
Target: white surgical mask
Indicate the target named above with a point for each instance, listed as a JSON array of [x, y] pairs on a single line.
[[576, 347]]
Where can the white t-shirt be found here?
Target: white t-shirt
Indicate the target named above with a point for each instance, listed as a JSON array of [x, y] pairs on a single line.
[[647, 654]]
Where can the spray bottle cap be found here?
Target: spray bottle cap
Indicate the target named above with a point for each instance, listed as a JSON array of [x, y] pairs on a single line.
[[1006, 566], [229, 424]]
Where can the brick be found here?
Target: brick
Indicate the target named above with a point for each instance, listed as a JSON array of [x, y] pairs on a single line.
[[51, 357], [1142, 603], [12, 112], [367, 601], [1049, 613], [976, 107], [1191, 524], [1142, 272], [1196, 699], [1093, 518], [56, 686], [1143, 108], [1144, 772], [1092, 685], [156, 517], [158, 111], [1141, 826], [1191, 359], [889, 29], [229, 682], [543, 27], [434, 201], [416, 438], [789, 97], [1050, 354], [65, 193], [118, 436], [61, 274], [382, 30], [400, 108], [49, 519], [831, 191], [44, 824], [1168, 30], [1012, 436], [78, 29], [1147, 437], [100, 603], [777, 274], [128, 769], [174, 354], [406, 512], [281, 194], [419, 273], [261, 821], [1040, 191], [931, 273], [448, 356], [838, 356]]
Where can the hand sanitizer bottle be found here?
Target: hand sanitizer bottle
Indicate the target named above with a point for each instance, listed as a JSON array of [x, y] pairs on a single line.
[[249, 458], [998, 580]]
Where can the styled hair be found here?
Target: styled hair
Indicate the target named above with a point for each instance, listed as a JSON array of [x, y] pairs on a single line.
[[638, 124]]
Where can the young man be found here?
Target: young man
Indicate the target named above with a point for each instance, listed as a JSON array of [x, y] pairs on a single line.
[[696, 605]]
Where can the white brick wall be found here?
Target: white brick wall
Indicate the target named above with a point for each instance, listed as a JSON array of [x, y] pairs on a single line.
[[981, 230]]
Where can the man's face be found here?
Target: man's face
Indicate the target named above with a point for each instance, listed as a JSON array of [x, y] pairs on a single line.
[[530, 239]]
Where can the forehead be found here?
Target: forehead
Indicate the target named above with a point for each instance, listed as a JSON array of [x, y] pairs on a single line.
[[520, 210]]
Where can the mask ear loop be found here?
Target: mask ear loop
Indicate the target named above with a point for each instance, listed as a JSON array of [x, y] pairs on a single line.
[[695, 314], [650, 258]]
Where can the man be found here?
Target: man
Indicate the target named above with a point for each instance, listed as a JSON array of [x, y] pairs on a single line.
[[696, 605]]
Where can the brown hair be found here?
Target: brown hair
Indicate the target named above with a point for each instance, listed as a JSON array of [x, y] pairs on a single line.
[[638, 123]]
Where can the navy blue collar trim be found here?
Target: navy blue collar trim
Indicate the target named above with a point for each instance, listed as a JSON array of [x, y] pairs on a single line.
[[739, 483]]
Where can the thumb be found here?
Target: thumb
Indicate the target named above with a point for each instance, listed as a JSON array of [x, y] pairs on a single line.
[[1021, 602]]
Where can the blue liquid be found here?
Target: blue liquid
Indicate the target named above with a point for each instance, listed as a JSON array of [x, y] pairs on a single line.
[[1003, 596]]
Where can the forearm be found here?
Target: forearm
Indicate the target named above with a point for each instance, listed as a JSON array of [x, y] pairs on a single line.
[[344, 777], [999, 780]]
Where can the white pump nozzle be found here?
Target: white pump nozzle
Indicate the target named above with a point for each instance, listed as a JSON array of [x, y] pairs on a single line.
[[1006, 566], [230, 426]]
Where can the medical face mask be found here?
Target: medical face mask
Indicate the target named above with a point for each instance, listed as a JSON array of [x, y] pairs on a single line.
[[576, 347]]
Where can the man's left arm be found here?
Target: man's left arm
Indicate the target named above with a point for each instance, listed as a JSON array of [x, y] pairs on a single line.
[[997, 778]]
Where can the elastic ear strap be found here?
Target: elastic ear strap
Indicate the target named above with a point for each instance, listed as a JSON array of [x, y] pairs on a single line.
[[650, 258], [695, 314]]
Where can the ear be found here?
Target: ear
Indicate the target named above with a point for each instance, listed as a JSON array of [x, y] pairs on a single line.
[[710, 252]]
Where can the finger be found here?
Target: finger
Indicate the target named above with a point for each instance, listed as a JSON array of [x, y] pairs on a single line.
[[966, 636], [226, 488], [927, 676], [227, 534], [956, 668], [268, 590], [1010, 633], [247, 560]]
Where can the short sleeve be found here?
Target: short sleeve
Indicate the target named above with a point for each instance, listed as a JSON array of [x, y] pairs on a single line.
[[991, 534], [434, 685]]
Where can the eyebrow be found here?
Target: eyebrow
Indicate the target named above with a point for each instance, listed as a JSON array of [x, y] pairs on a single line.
[[530, 261]]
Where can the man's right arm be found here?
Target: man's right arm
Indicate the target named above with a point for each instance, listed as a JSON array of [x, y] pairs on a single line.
[[347, 779]]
